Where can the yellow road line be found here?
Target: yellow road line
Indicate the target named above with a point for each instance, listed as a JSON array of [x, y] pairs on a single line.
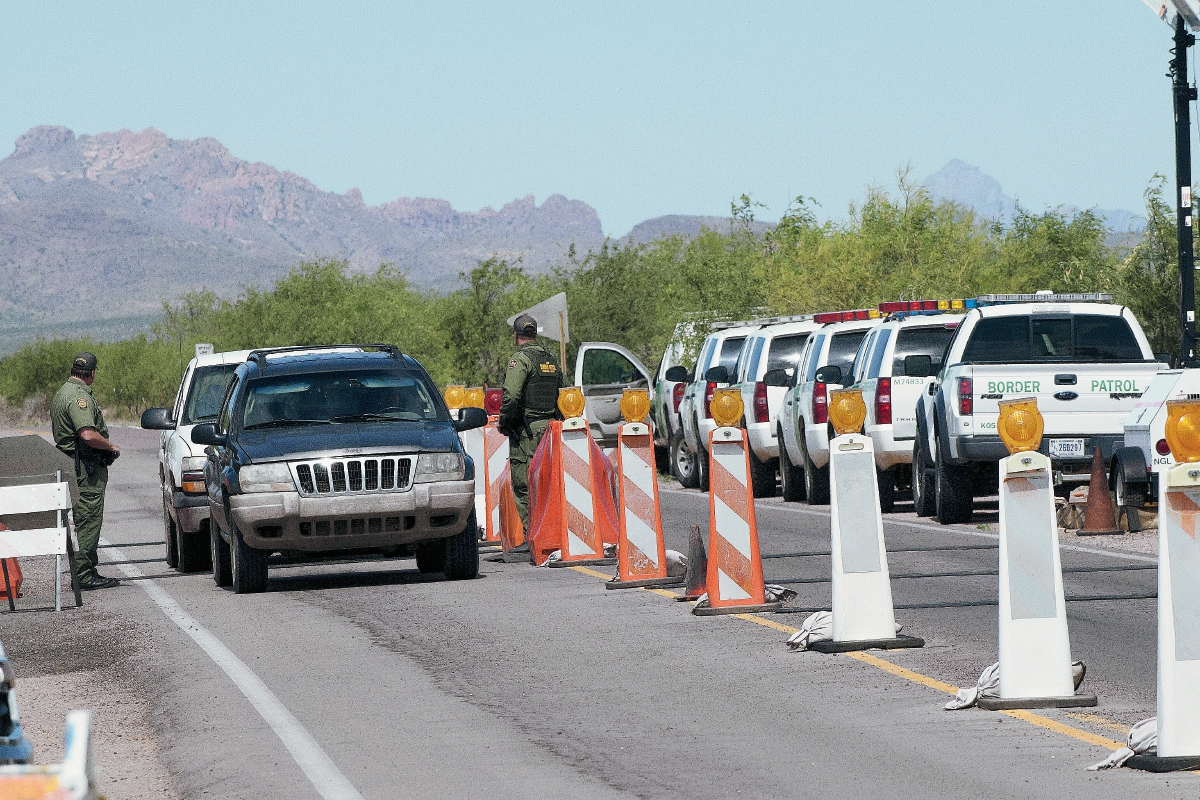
[[663, 592], [924, 680], [1099, 721]]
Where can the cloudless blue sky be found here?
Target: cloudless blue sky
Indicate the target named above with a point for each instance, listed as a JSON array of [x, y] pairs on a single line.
[[638, 109]]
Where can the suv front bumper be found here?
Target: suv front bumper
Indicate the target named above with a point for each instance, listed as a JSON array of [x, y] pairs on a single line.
[[288, 521]]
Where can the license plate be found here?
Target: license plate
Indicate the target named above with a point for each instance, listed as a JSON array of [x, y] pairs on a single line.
[[1066, 448]]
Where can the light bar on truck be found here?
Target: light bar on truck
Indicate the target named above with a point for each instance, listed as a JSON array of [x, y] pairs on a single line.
[[846, 316], [1044, 297], [925, 306]]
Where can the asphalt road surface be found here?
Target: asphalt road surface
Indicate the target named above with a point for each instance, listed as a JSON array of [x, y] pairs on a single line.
[[371, 680]]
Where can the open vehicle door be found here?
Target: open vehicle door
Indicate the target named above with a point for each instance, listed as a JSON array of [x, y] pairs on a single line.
[[603, 370]]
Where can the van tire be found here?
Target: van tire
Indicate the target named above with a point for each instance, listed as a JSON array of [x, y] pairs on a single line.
[[791, 477]]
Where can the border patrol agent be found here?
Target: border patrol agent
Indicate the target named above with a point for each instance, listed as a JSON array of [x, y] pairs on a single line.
[[529, 402], [79, 431]]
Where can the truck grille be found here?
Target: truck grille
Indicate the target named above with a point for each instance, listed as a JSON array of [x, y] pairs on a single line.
[[353, 475]]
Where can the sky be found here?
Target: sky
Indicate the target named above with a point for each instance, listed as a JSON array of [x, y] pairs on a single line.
[[639, 109]]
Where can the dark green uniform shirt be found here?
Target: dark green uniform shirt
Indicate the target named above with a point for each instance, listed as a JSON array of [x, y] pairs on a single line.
[[515, 412], [74, 407]]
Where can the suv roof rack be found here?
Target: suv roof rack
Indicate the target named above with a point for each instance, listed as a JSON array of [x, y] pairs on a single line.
[[260, 355]]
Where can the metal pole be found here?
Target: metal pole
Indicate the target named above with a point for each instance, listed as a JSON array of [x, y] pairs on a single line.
[[1184, 95]]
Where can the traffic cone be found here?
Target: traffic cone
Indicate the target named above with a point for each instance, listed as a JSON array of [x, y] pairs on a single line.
[[1099, 516], [641, 554], [735, 580], [695, 584], [10, 568]]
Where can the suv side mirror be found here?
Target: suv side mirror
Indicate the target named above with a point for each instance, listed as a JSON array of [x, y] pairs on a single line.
[[676, 374], [158, 419], [470, 418], [777, 377], [830, 373], [918, 366], [1167, 359], [207, 434], [717, 374]]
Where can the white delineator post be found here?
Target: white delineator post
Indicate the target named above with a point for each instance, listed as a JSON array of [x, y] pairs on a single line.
[[1035, 648], [1179, 612], [472, 442]]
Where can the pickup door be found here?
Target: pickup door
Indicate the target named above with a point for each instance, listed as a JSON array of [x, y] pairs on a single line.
[[604, 370]]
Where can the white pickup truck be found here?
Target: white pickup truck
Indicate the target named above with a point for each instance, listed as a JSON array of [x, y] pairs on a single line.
[[1085, 360], [1134, 468]]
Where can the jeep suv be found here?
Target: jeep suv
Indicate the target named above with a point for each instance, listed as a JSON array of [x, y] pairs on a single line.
[[336, 450]]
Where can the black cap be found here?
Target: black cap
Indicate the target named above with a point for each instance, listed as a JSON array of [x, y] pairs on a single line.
[[84, 361], [525, 325]]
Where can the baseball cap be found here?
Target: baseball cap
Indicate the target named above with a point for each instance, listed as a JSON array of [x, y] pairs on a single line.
[[525, 325], [84, 361]]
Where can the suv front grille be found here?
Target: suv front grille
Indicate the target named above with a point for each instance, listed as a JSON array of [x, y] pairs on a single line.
[[353, 475]]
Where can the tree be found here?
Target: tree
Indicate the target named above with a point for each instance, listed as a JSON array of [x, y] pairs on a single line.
[[1148, 279]]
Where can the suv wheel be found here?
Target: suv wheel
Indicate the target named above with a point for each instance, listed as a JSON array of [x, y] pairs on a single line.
[[791, 477], [462, 553], [248, 566], [762, 476], [221, 568], [952, 489], [194, 552], [922, 481], [816, 480], [431, 556], [170, 534], [683, 462], [886, 479], [703, 472]]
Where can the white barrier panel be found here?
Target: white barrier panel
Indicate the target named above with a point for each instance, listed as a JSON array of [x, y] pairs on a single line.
[[32, 499], [862, 590], [1179, 612], [472, 442]]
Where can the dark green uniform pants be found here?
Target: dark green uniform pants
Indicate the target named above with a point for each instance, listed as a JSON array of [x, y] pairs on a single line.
[[89, 516], [520, 450]]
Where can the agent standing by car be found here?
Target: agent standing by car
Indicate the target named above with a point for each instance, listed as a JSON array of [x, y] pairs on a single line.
[[529, 402], [79, 431]]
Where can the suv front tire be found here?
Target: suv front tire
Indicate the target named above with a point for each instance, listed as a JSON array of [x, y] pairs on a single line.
[[462, 553], [248, 571]]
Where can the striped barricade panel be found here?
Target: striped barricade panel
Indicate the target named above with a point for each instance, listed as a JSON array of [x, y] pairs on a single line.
[[580, 540], [495, 461], [734, 562], [641, 553]]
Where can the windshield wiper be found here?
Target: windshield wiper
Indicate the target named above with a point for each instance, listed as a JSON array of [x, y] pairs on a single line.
[[283, 423], [370, 418]]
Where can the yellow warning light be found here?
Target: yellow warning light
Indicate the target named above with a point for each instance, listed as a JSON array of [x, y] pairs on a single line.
[[1020, 425], [1183, 429], [474, 397], [847, 411], [635, 404], [455, 396], [726, 407], [570, 402]]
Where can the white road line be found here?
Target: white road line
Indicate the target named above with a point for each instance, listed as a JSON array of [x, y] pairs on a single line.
[[924, 527], [324, 775]]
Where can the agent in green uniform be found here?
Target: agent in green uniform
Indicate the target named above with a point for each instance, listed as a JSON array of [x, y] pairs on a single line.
[[80, 432], [529, 402]]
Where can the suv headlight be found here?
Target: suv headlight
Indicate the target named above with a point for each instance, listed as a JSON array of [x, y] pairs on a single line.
[[191, 481], [439, 467], [266, 478]]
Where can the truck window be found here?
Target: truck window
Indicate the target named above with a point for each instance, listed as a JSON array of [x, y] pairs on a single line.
[[603, 366], [207, 390], [1032, 339], [842, 349], [814, 358], [730, 350], [881, 344], [784, 352], [931, 341]]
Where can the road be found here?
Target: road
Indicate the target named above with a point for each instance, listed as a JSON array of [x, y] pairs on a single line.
[[371, 680]]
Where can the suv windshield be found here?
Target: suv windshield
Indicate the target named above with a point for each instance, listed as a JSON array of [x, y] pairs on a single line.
[[350, 396], [206, 393], [1031, 339]]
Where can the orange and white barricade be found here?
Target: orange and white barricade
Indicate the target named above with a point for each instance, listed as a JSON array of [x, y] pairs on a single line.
[[641, 553], [735, 579], [495, 461]]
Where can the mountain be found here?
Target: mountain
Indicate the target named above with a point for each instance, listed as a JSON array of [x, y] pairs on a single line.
[[968, 186], [111, 225], [683, 225]]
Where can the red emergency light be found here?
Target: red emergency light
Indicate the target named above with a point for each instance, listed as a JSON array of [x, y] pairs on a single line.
[[491, 401], [846, 316], [925, 306]]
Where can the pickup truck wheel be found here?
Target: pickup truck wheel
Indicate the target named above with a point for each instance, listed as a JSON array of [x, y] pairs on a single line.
[[922, 482], [762, 476], [953, 493], [221, 569], [462, 553], [886, 479], [194, 552], [791, 477], [248, 571], [683, 462], [431, 556], [1130, 495], [816, 479], [169, 536]]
